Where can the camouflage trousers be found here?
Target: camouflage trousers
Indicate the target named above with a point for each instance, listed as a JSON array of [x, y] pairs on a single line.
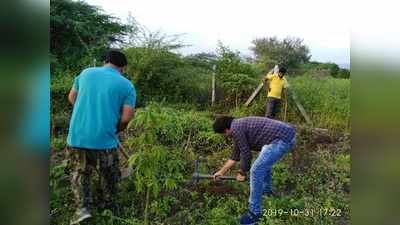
[[83, 163]]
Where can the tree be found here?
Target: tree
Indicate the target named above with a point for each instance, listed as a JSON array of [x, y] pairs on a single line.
[[80, 33], [343, 73], [332, 68], [154, 167], [229, 62], [201, 60], [139, 36], [152, 70], [235, 77], [160, 73], [289, 52]]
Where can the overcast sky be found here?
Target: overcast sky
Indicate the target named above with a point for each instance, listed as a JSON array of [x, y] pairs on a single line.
[[324, 25]]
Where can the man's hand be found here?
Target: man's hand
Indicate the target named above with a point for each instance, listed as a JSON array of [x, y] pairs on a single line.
[[217, 175], [227, 166], [240, 177]]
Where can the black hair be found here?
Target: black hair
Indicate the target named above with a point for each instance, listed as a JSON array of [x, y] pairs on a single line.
[[116, 58], [221, 123], [282, 70]]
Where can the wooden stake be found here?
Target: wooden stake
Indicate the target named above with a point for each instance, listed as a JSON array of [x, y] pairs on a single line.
[[213, 87], [300, 107], [255, 93], [286, 105]]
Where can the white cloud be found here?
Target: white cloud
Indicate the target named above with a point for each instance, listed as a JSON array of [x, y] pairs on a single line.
[[324, 25]]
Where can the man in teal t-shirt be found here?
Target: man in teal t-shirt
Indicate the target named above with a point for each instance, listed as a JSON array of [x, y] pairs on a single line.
[[103, 104]]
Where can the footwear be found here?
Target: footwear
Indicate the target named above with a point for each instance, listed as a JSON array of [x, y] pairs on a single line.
[[249, 218], [80, 216]]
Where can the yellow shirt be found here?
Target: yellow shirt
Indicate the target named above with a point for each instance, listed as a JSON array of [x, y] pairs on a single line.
[[276, 84]]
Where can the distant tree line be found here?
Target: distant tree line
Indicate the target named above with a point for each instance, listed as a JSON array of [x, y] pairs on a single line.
[[81, 33]]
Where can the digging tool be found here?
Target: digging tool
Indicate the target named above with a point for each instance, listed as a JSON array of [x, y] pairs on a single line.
[[196, 177], [285, 109], [122, 149], [126, 170]]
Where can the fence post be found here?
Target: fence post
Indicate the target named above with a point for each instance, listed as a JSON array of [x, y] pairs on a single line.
[[213, 87]]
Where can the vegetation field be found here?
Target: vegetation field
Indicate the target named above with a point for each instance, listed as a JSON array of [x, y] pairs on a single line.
[[173, 126], [164, 140]]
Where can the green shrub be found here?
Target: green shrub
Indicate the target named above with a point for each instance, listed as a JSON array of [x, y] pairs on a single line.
[[182, 128], [160, 74]]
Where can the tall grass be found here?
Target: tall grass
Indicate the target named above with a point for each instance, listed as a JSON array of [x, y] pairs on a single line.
[[326, 100]]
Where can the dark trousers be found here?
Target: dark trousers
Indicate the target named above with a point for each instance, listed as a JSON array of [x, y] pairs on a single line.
[[83, 162], [272, 107]]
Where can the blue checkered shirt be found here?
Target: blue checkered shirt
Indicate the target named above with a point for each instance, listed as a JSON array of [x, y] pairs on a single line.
[[252, 133]]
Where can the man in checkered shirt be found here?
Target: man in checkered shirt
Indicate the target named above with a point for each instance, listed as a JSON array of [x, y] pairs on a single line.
[[272, 138]]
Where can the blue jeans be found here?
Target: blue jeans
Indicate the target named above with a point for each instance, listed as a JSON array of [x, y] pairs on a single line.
[[260, 172]]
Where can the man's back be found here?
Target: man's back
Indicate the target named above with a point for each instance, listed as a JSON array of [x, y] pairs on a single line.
[[260, 131], [276, 85], [252, 133], [102, 91]]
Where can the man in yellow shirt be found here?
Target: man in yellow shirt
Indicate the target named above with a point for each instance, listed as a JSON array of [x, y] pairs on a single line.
[[277, 85]]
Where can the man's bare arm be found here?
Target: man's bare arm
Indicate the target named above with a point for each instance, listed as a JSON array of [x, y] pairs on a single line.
[[72, 96], [127, 113], [227, 166]]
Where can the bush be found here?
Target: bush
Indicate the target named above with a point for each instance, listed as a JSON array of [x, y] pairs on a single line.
[[160, 74], [235, 78], [186, 129]]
